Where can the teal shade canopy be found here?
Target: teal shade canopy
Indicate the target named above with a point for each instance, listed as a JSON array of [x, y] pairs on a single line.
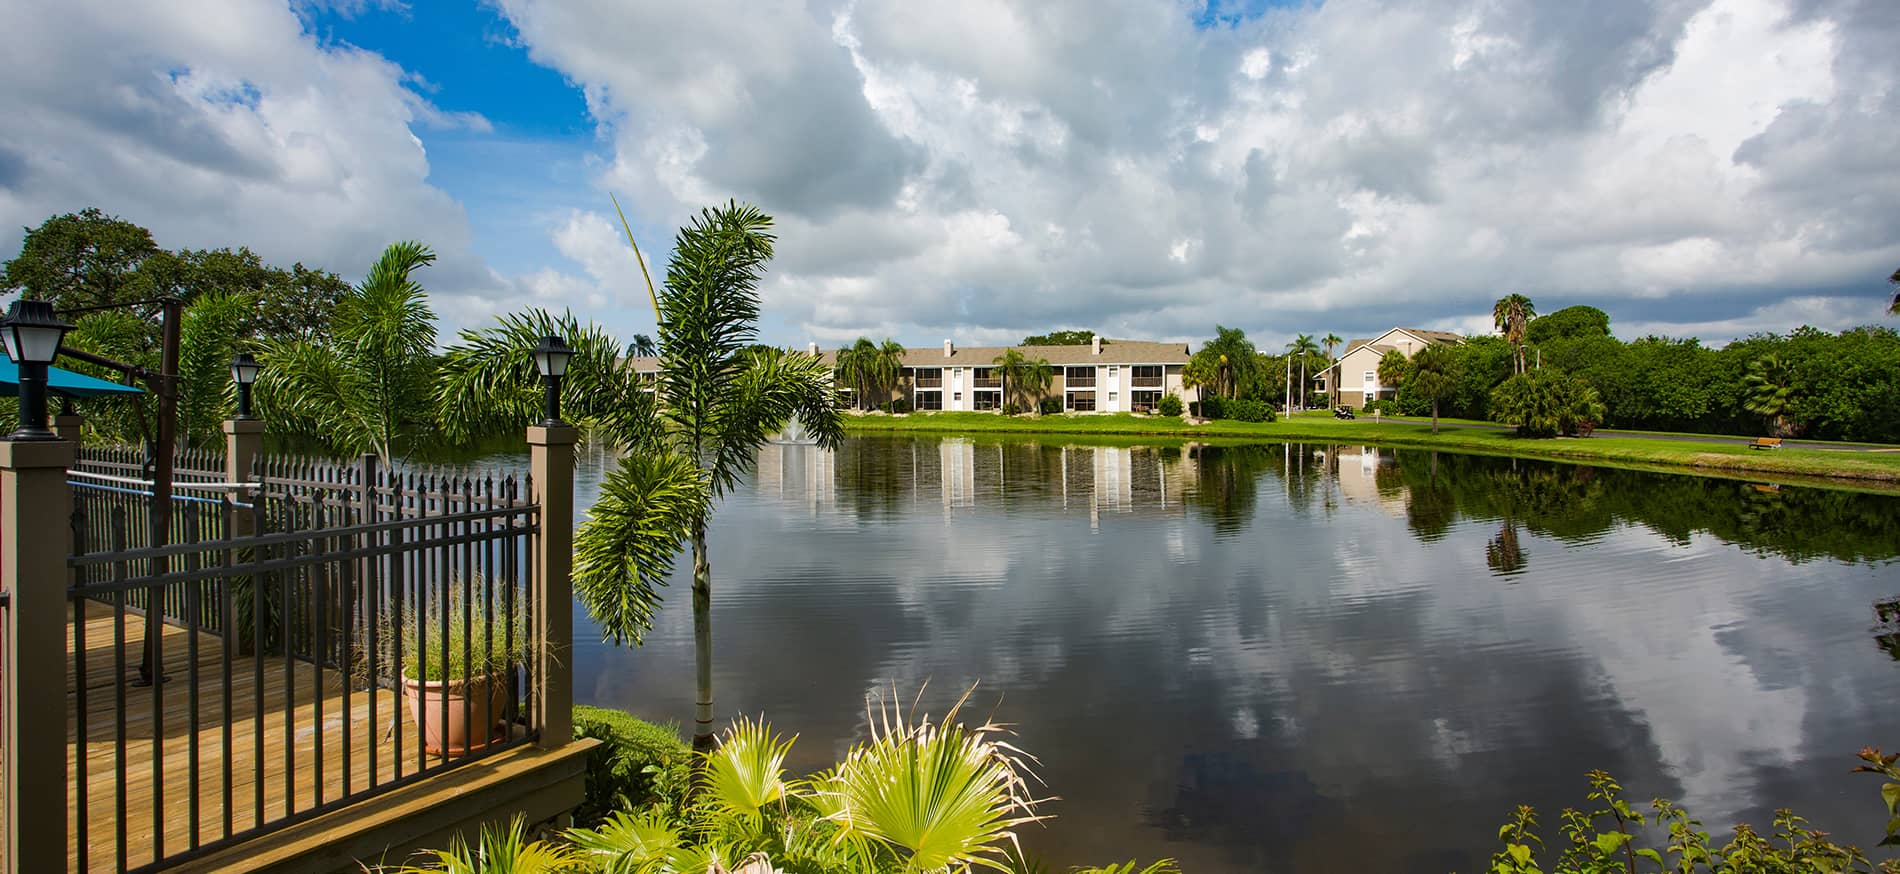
[[61, 382]]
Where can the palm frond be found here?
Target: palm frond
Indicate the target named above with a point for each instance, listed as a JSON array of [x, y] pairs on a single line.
[[709, 313], [207, 340], [625, 547], [628, 843], [500, 851], [1165, 866], [746, 774], [489, 384]]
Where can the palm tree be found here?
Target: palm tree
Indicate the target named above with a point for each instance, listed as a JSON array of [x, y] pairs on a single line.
[[368, 388], [857, 367], [720, 397], [1393, 367], [1435, 376], [1770, 387], [1304, 349], [888, 365], [1026, 377], [1332, 341], [1893, 309], [642, 347], [1512, 314]]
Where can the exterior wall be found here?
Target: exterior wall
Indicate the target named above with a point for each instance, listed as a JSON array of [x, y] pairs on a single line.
[[1352, 370]]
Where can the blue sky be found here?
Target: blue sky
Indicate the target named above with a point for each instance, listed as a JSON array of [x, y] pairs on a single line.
[[987, 169]]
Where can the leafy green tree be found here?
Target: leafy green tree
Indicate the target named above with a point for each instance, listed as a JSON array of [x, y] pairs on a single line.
[[1569, 323], [1303, 349], [368, 388], [1435, 374], [1023, 378], [295, 303], [1061, 338], [1512, 315], [1229, 365], [1393, 369], [1770, 389], [79, 260]]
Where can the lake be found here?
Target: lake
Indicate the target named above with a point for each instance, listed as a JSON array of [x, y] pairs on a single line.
[[1302, 657]]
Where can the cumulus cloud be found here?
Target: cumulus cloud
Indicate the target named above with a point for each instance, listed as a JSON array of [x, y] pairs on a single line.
[[224, 123], [988, 169]]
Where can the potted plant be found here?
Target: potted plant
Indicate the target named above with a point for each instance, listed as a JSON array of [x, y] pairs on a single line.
[[457, 684]]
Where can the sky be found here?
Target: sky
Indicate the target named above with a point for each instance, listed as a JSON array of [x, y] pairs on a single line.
[[985, 170]]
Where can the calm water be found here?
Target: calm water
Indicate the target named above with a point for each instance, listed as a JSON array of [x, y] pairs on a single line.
[[1313, 658]]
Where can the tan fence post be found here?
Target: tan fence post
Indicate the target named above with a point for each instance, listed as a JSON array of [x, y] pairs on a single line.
[[35, 539], [243, 440], [67, 425], [551, 464]]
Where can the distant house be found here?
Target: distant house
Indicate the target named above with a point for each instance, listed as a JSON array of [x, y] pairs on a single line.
[[1354, 379]]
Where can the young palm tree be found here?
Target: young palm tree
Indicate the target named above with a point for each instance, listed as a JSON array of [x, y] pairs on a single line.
[[1512, 314], [1303, 348], [367, 389], [1028, 378], [1770, 387], [1332, 341]]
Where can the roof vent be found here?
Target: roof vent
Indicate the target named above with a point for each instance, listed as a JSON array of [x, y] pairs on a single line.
[[948, 347], [1095, 345]]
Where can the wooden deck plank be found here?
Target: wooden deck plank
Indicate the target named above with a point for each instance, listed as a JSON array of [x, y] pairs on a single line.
[[157, 801]]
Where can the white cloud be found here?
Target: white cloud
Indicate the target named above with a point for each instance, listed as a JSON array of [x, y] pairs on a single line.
[[995, 169]]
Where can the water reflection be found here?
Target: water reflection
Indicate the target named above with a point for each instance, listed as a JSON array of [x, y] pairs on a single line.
[[1286, 657]]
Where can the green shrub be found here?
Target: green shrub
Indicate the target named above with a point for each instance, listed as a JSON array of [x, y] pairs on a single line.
[[1246, 410], [1012, 409], [1212, 408], [636, 764], [1384, 407], [1050, 406], [898, 405], [1170, 405], [1611, 837]]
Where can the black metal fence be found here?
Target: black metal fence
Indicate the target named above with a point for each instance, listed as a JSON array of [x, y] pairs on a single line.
[[299, 619]]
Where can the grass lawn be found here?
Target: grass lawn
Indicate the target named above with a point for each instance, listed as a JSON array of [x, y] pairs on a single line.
[[1711, 455]]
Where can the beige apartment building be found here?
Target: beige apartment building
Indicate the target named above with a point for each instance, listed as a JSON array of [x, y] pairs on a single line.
[[1106, 376], [1354, 379]]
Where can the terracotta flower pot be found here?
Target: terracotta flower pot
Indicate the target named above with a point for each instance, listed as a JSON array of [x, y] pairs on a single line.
[[476, 708]]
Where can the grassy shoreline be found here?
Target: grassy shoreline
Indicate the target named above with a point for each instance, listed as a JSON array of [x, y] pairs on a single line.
[[1707, 456]]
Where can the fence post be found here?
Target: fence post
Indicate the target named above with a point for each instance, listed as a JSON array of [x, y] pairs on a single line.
[[243, 440], [35, 540], [67, 426], [551, 464]]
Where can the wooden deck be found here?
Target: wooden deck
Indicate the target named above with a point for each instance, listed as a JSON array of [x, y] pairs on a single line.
[[313, 734]]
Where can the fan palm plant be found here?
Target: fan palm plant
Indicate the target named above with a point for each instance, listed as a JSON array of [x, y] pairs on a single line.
[[368, 388], [1770, 389], [1512, 314], [499, 851], [1026, 377]]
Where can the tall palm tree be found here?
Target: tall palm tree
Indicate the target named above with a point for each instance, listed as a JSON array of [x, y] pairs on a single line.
[[720, 397], [1893, 309], [642, 347], [1770, 387], [1026, 377], [857, 366], [1332, 341], [889, 367], [1304, 349], [1512, 314], [368, 388]]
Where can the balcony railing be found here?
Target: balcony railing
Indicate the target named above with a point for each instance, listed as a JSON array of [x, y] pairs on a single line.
[[1080, 381], [993, 382], [1147, 382], [929, 382]]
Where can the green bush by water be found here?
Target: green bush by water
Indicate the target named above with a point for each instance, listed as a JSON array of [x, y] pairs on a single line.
[[1170, 405], [637, 763]]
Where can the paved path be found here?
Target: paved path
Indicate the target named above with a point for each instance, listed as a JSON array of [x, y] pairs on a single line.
[[1645, 435]]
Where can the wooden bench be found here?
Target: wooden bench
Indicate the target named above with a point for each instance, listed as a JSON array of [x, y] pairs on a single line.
[[1766, 443]]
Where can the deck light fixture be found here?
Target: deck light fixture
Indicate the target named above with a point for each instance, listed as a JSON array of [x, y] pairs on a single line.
[[551, 359], [32, 334], [244, 372]]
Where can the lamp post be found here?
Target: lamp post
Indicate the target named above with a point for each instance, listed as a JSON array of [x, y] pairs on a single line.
[[33, 333], [243, 372], [551, 359]]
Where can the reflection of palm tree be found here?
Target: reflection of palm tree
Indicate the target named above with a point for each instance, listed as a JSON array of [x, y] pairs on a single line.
[[1887, 627], [1503, 553]]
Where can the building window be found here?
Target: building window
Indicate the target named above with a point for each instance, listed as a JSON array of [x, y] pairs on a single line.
[[930, 400], [1144, 401], [1147, 375], [1112, 370], [987, 400], [1079, 377], [957, 396], [1370, 377], [985, 377], [1111, 395], [1082, 401], [929, 377]]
